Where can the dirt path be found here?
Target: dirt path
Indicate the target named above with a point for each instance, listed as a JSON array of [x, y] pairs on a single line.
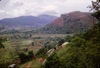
[[28, 65]]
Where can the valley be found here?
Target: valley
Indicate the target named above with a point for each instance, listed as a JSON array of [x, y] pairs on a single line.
[[48, 41], [31, 43]]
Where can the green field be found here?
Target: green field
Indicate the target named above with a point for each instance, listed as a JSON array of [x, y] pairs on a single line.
[[62, 52]]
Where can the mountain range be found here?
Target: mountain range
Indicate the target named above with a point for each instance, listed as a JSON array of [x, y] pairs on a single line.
[[67, 23], [27, 21]]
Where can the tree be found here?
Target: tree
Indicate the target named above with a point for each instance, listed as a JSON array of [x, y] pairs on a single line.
[[32, 43], [42, 52], [60, 42], [96, 8], [52, 62], [6, 57], [77, 41], [30, 54], [23, 57], [1, 45], [68, 38]]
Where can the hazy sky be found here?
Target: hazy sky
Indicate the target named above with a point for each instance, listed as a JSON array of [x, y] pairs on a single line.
[[15, 8]]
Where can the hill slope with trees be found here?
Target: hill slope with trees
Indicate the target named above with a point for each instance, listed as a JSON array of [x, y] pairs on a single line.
[[70, 23]]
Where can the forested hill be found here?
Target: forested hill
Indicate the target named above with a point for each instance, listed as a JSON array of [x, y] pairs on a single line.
[[70, 23]]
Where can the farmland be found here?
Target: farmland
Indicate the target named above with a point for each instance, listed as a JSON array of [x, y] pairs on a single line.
[[23, 43]]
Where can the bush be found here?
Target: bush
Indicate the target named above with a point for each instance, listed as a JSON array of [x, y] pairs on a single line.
[[6, 57]]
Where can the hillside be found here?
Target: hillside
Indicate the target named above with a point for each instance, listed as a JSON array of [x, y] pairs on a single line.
[[83, 51], [27, 21], [70, 23]]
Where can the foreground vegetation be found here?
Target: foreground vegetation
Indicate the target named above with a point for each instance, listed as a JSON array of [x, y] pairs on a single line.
[[83, 50]]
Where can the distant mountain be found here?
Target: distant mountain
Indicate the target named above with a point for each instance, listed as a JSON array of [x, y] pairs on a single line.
[[47, 17], [27, 21], [70, 23]]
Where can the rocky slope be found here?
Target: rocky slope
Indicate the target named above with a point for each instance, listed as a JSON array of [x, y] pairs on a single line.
[[70, 23]]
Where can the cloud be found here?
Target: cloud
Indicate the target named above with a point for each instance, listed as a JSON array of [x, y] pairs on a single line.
[[1, 11], [14, 8], [4, 3], [4, 14], [17, 4], [49, 8]]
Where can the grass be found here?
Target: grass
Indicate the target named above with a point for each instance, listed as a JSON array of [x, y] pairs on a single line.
[[26, 42], [35, 64], [7, 44], [23, 65], [21, 43], [62, 51]]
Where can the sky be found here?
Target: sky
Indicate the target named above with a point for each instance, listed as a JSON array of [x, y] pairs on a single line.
[[16, 8]]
